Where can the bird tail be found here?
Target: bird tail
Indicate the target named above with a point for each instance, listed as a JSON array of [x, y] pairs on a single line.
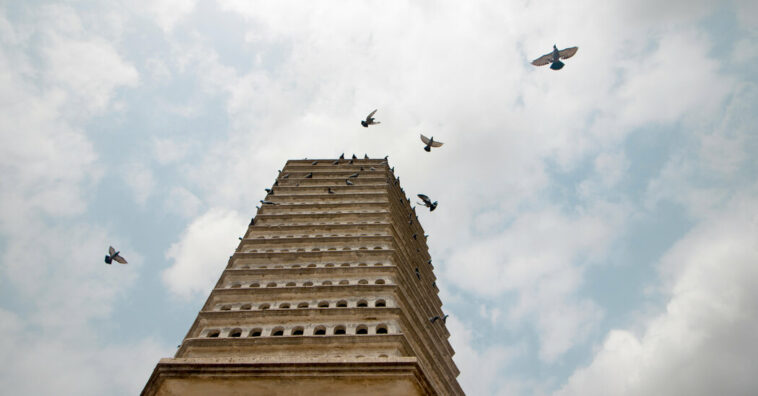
[[428, 148]]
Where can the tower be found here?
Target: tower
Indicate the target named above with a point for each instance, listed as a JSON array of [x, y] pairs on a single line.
[[331, 291]]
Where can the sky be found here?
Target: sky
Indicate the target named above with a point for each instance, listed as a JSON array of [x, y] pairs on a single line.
[[597, 228]]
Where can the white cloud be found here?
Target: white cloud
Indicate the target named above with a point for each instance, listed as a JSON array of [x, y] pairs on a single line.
[[704, 343], [167, 13], [167, 151], [139, 177], [199, 255], [182, 202]]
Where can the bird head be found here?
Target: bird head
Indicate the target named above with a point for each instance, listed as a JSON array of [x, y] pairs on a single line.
[[555, 47]]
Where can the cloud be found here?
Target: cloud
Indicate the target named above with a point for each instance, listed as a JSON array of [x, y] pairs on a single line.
[[704, 342], [182, 202], [139, 178], [199, 255]]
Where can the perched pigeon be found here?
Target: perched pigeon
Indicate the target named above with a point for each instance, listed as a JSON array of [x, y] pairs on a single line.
[[314, 163], [336, 162], [386, 157], [415, 236], [350, 162], [392, 169], [268, 202], [428, 202], [353, 175], [372, 169], [342, 156], [269, 191], [434, 319], [309, 175], [252, 221], [114, 255], [348, 182], [354, 157], [430, 143], [434, 284], [329, 190], [365, 156], [286, 175], [553, 57], [370, 120], [418, 274], [429, 262], [240, 238], [257, 207], [276, 183]]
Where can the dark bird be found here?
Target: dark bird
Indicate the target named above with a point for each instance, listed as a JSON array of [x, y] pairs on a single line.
[[240, 238], [434, 285], [286, 175], [353, 175], [434, 319], [348, 182], [385, 157], [354, 157], [415, 236], [430, 143], [429, 262], [365, 156], [252, 221], [276, 183], [314, 163], [418, 274], [309, 175], [268, 202], [114, 255], [370, 120], [392, 169], [329, 190], [428, 202], [342, 156], [553, 58], [397, 181], [269, 191], [336, 162], [350, 162]]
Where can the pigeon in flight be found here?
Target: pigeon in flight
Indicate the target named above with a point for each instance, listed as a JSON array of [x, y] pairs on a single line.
[[309, 175], [370, 120], [114, 255], [428, 202], [430, 143], [268, 203], [554, 57], [348, 182], [443, 318]]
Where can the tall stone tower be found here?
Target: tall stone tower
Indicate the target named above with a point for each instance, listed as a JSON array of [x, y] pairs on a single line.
[[331, 292]]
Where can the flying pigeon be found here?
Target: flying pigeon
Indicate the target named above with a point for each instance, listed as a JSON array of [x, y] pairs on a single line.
[[428, 202], [114, 255], [309, 175], [268, 202], [370, 120], [434, 319], [430, 143], [348, 182], [553, 57]]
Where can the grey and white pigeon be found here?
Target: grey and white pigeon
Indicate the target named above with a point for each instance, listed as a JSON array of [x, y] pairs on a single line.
[[348, 182], [370, 120], [286, 175], [443, 318], [114, 255], [428, 202], [353, 175], [430, 143], [553, 58], [314, 163]]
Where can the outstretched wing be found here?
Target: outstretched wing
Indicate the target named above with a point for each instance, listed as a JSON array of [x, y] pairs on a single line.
[[568, 52], [111, 250], [371, 114], [425, 139], [437, 144], [119, 259], [425, 199], [543, 60]]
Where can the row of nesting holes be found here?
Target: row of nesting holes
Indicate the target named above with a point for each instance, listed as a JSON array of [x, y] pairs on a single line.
[[309, 283], [322, 304], [312, 265], [333, 223], [315, 236], [296, 331], [284, 250]]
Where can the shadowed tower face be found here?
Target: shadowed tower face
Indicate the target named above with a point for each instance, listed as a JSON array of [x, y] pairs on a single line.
[[327, 293]]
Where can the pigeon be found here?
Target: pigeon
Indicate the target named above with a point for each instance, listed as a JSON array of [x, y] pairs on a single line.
[[418, 274], [372, 169], [314, 163], [257, 207], [269, 191], [415, 236], [329, 190], [353, 175], [443, 318], [252, 221], [309, 175], [348, 182], [553, 57], [434, 284], [429, 262], [386, 157], [268, 202], [336, 162], [354, 157], [392, 169], [276, 183], [428, 202], [342, 156], [350, 162], [430, 143], [286, 175], [365, 156], [370, 120], [114, 255], [240, 238], [397, 181]]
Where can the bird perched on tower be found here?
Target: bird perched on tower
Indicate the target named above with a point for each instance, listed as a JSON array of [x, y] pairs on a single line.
[[370, 120], [553, 58]]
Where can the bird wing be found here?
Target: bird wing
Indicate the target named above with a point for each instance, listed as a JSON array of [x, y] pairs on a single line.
[[111, 250], [119, 259], [568, 52], [425, 199], [437, 144], [371, 114], [425, 139], [543, 60]]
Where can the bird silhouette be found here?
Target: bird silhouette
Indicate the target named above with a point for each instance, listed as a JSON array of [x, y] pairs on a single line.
[[418, 274], [114, 255], [268, 203], [353, 175], [348, 182], [365, 156], [553, 58], [336, 162], [252, 221], [370, 120], [329, 190], [309, 175], [354, 157], [314, 163], [427, 202], [269, 191], [240, 238], [430, 143], [435, 318], [342, 156]]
